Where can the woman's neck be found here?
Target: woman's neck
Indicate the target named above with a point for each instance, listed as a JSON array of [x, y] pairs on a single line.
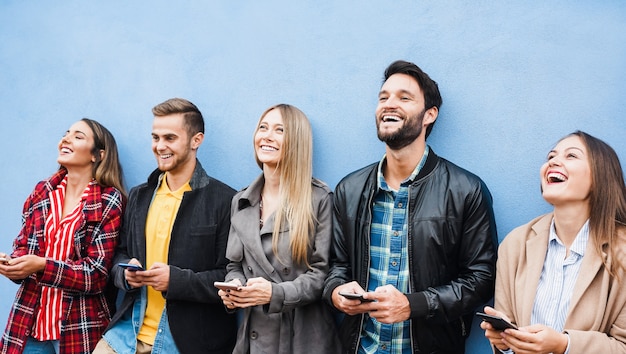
[[568, 220]]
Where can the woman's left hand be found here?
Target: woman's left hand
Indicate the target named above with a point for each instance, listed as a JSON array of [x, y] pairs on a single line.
[[22, 267], [535, 339], [258, 291]]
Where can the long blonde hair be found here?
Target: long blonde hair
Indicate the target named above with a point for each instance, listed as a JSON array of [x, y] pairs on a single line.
[[295, 190]]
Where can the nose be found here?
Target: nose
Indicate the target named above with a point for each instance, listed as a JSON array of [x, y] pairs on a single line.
[[554, 161], [159, 145], [267, 134], [390, 102]]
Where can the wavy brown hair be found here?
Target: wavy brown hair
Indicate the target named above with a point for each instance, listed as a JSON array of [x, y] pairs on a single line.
[[107, 170], [607, 200]]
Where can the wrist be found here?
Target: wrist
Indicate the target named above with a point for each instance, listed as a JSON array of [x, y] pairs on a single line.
[[564, 345]]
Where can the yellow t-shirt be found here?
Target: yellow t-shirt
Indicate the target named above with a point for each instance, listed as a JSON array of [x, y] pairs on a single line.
[[159, 222]]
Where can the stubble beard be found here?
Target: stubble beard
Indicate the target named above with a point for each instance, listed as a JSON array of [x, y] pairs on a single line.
[[407, 133]]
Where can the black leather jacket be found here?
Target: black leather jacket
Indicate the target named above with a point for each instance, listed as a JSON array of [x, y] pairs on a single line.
[[452, 251]]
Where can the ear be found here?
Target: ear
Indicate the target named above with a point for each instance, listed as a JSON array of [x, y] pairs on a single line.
[[430, 116], [93, 158], [196, 140]]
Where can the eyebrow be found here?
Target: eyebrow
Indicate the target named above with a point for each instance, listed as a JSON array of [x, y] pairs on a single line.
[[76, 131], [567, 149], [402, 91]]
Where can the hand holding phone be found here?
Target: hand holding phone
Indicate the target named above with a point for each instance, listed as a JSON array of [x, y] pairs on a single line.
[[498, 323], [355, 296], [226, 286], [130, 267], [4, 260]]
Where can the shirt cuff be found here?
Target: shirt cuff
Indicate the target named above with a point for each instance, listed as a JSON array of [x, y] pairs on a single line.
[[567, 348]]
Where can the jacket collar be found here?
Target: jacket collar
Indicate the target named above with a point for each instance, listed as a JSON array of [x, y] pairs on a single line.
[[199, 178], [92, 211]]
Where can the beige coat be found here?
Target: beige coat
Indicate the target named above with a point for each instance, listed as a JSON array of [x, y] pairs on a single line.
[[596, 322]]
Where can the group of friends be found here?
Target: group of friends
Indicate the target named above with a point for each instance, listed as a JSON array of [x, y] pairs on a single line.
[[396, 260]]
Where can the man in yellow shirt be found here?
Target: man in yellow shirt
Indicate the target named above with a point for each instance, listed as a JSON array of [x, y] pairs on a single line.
[[176, 228]]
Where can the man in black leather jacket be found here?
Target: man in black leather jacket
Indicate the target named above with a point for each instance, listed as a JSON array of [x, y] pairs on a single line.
[[413, 232]]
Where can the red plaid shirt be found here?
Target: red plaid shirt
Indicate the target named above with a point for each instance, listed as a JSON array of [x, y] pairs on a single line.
[[83, 276]]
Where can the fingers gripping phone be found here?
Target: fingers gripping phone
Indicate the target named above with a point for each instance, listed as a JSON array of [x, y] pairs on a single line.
[[498, 323], [354, 296]]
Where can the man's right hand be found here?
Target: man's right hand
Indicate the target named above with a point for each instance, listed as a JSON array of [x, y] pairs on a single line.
[[350, 306]]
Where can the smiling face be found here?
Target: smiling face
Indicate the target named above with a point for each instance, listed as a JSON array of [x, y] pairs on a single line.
[[172, 146], [269, 138], [566, 175], [401, 116], [76, 147]]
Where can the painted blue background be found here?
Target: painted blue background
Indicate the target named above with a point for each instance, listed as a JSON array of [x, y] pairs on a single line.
[[515, 77]]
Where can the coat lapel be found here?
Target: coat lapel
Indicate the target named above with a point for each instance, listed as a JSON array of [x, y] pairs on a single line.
[[248, 216], [536, 250], [591, 265]]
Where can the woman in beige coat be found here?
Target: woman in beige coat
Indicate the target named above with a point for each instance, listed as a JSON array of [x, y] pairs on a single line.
[[560, 278], [279, 244]]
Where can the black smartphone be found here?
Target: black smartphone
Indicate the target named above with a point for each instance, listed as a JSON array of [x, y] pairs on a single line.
[[355, 296], [130, 267], [498, 323]]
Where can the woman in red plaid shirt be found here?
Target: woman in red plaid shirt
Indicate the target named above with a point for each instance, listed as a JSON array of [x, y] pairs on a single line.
[[63, 253]]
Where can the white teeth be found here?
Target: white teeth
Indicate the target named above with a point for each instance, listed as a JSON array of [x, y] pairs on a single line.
[[166, 156], [268, 148], [390, 119], [556, 177], [66, 150]]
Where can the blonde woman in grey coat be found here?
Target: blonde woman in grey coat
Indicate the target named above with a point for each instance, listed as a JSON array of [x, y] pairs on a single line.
[[279, 244]]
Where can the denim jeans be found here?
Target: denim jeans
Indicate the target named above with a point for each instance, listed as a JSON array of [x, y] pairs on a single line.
[[34, 346]]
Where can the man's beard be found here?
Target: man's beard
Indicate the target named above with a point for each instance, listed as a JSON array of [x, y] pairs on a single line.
[[409, 131]]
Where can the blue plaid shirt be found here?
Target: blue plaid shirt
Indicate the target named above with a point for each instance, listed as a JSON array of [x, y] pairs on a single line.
[[389, 261]]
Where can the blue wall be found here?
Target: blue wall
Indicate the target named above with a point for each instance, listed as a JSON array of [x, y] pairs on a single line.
[[515, 76]]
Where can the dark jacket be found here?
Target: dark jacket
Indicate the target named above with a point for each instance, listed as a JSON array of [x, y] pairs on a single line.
[[197, 318], [452, 242]]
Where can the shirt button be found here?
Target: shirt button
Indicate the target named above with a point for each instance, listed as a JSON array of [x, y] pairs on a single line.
[[286, 271], [254, 335], [396, 233], [383, 347], [249, 268], [399, 205], [394, 263]]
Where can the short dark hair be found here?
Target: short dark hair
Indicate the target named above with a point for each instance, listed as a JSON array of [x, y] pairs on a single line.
[[191, 114], [432, 96]]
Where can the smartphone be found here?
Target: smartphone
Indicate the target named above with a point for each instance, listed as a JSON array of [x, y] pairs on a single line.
[[3, 260], [226, 286], [130, 267], [498, 323], [355, 296]]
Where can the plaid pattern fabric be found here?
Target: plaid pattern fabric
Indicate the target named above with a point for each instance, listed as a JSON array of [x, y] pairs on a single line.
[[83, 276], [389, 261]]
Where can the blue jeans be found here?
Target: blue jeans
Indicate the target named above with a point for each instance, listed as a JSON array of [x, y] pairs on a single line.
[[34, 346]]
